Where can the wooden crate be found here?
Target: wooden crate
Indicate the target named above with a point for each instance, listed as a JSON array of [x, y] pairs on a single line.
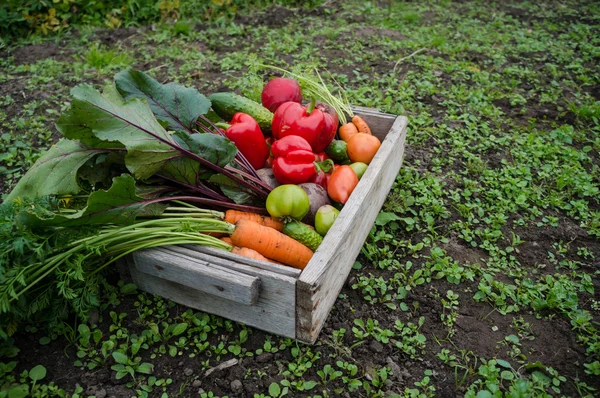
[[274, 298]]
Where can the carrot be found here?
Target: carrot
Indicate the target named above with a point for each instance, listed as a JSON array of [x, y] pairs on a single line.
[[232, 216], [249, 253], [245, 252], [347, 131], [271, 244], [227, 240], [361, 125]]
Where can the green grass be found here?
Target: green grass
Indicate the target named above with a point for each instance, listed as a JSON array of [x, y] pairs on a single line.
[[111, 59], [491, 228]]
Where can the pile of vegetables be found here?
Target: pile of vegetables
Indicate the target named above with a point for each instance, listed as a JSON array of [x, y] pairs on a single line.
[[138, 159], [313, 173]]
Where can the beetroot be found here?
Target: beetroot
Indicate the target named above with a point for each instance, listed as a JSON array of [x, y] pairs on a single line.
[[280, 90]]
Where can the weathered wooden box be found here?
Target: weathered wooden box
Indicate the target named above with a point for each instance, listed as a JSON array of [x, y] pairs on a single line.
[[279, 299]]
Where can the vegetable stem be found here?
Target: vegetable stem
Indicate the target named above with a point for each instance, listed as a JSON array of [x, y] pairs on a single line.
[[223, 125], [311, 106]]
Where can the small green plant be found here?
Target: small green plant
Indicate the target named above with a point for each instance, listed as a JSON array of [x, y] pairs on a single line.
[[350, 375], [183, 28], [275, 391], [87, 347], [26, 384], [303, 360], [328, 374], [449, 315], [126, 365], [410, 341]]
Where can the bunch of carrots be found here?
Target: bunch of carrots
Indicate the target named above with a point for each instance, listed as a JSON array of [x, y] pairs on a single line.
[[259, 237]]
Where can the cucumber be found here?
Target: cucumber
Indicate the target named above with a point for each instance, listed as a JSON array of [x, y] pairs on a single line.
[[303, 234], [337, 150], [228, 104]]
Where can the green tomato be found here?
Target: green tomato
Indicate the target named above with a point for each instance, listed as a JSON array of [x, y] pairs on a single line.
[[324, 218], [288, 201], [359, 168]]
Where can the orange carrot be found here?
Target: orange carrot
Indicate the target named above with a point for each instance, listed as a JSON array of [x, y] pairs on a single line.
[[249, 253], [361, 125], [227, 240], [232, 216], [271, 244], [347, 131], [245, 252]]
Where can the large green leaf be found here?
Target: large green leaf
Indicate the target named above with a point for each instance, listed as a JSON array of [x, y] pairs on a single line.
[[131, 123], [231, 189], [184, 170], [118, 205], [55, 172], [152, 190], [177, 105], [214, 148]]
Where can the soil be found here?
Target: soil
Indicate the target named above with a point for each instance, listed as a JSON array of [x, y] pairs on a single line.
[[34, 52], [479, 329]]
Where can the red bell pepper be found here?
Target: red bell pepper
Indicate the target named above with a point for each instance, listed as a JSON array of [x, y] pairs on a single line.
[[315, 126], [321, 157], [293, 160], [245, 133], [326, 167], [295, 163], [269, 163], [331, 121], [321, 178]]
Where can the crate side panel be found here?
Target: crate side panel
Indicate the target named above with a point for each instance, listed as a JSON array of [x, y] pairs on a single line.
[[321, 281], [191, 272], [274, 310]]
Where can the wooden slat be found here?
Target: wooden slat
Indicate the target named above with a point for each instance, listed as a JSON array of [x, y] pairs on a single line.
[[322, 279], [274, 311], [170, 265], [280, 269]]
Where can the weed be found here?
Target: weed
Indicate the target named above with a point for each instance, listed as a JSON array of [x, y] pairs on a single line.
[[103, 59]]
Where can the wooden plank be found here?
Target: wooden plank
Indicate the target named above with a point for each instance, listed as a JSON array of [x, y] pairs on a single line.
[[280, 269], [168, 264], [274, 310], [380, 123], [322, 279]]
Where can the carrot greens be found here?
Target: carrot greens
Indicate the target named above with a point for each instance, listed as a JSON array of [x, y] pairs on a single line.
[[47, 267]]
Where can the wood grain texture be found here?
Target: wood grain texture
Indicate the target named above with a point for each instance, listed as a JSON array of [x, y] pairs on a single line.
[[170, 265], [322, 279], [274, 311]]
